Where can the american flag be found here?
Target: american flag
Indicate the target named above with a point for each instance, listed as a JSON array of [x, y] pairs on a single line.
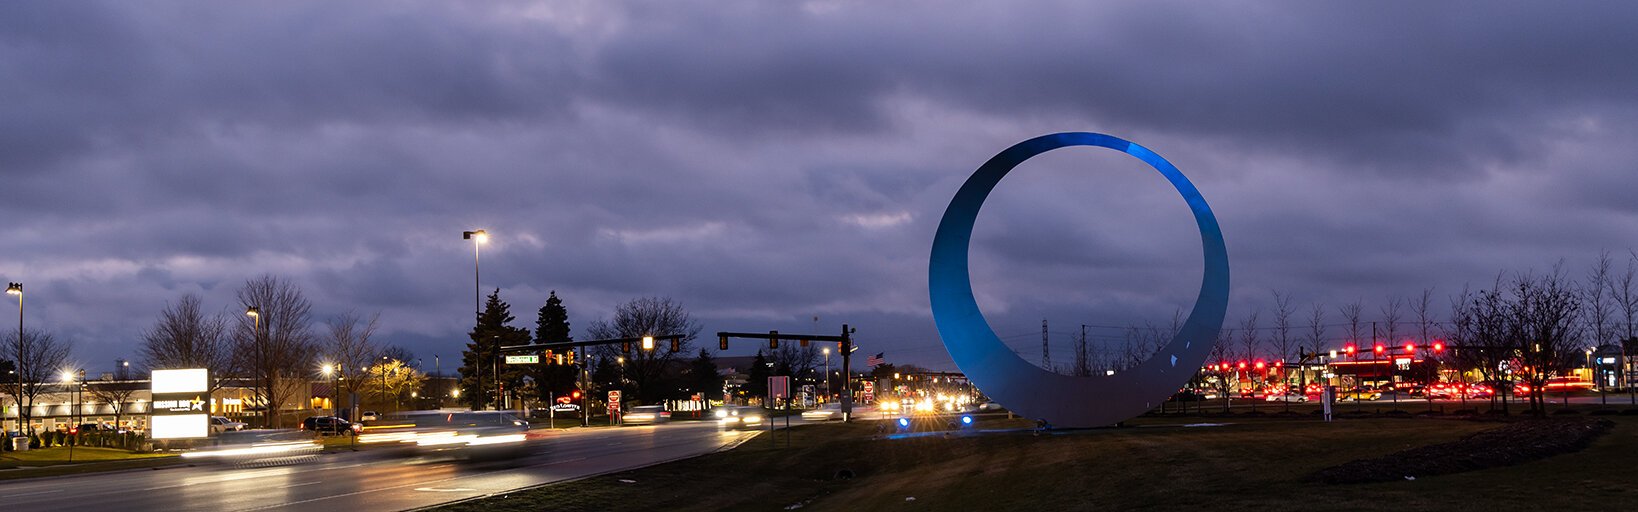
[[876, 360]]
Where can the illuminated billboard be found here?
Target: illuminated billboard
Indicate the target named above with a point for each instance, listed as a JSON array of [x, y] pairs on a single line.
[[181, 404]]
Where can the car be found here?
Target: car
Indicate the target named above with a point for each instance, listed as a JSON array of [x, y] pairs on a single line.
[[368, 416], [827, 412], [258, 448], [645, 415], [91, 427], [474, 434], [1358, 394], [330, 425], [219, 424], [1286, 397], [735, 416]]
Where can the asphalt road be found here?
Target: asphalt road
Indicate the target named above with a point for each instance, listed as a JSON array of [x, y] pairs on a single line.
[[375, 479]]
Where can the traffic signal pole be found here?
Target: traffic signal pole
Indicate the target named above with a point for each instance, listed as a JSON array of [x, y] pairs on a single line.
[[845, 342]]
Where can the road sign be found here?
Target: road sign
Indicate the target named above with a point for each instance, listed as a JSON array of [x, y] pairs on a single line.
[[869, 391], [614, 401], [528, 359], [779, 387]]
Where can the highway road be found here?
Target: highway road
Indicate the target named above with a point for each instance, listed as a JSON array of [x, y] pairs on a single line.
[[372, 479]]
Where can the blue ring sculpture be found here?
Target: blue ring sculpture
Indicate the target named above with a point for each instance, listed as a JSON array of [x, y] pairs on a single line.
[[1027, 389]]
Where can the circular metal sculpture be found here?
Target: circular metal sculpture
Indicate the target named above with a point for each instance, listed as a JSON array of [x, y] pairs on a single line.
[[1024, 388]]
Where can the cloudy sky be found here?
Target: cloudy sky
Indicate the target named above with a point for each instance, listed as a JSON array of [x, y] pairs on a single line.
[[766, 163]]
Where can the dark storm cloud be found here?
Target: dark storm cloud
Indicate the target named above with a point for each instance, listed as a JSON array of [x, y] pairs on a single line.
[[767, 162]]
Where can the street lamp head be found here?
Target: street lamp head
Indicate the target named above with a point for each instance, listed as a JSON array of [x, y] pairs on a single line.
[[68, 376], [328, 370], [253, 312], [14, 289], [480, 236]]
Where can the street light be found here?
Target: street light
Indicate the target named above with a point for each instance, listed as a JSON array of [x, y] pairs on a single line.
[[477, 237], [826, 372], [17, 289], [648, 343], [255, 314]]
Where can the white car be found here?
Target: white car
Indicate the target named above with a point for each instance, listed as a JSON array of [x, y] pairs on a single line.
[[734, 416], [827, 412], [1293, 397], [645, 415], [219, 424], [367, 416]]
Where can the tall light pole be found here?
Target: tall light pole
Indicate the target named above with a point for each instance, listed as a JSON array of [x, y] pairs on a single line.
[[826, 350], [478, 237], [255, 314], [329, 373], [17, 289]]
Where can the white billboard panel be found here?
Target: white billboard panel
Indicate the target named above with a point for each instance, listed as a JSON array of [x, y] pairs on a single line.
[[192, 380], [182, 426]]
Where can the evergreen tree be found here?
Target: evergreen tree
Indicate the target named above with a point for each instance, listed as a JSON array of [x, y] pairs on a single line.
[[552, 326], [480, 360], [756, 383], [703, 377]]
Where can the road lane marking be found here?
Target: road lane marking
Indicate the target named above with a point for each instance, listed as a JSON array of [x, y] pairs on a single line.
[[436, 489], [366, 491], [33, 493], [303, 483]]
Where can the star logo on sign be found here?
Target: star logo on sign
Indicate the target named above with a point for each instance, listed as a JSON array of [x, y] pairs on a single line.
[[196, 404]]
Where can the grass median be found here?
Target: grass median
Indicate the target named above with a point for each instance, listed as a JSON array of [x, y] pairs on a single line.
[[55, 461], [1243, 463]]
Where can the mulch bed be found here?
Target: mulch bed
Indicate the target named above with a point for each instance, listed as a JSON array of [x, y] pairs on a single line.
[[1515, 443]]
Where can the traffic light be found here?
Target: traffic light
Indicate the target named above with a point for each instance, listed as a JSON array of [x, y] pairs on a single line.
[[1410, 347], [548, 355], [676, 344], [1438, 346], [773, 339], [1350, 349], [575, 394], [722, 343], [625, 346], [1260, 364], [571, 356], [1380, 349], [648, 343], [802, 342], [560, 359]]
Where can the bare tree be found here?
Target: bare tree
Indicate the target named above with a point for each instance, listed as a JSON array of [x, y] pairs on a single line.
[[1350, 314], [1315, 335], [1250, 343], [1599, 301], [1625, 292], [116, 391], [1221, 353], [1483, 338], [1282, 339], [1392, 313], [1545, 311], [648, 316], [39, 357], [187, 337], [1428, 370], [351, 353], [275, 346]]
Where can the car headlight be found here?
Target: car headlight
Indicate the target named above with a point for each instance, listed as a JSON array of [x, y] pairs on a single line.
[[721, 413]]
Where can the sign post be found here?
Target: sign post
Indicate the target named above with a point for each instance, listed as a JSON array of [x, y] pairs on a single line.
[[614, 406]]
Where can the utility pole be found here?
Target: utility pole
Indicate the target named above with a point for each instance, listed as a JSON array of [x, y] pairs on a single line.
[[1046, 350]]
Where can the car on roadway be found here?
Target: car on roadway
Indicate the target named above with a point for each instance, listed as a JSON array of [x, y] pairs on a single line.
[[220, 424], [645, 415], [1286, 397], [476, 434], [330, 425], [1358, 394], [736, 416], [368, 416], [827, 412]]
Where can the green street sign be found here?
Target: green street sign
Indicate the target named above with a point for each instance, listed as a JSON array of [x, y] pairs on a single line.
[[529, 359]]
